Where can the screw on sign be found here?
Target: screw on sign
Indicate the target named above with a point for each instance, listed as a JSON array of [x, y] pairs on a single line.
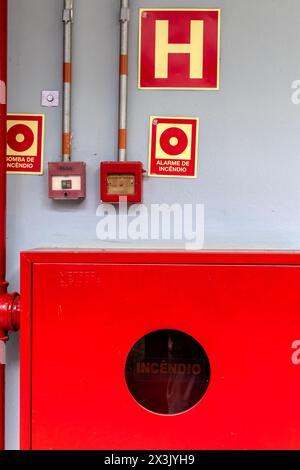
[[173, 149], [25, 142]]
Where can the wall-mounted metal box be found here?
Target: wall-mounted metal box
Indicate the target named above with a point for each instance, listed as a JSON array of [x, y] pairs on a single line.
[[160, 350], [121, 180], [67, 180]]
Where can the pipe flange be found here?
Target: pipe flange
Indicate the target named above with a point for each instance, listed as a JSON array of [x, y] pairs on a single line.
[[9, 314]]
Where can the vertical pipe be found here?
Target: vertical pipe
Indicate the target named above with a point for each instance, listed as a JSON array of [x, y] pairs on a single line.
[[124, 20], [2, 395], [3, 111], [2, 405], [67, 81], [3, 81]]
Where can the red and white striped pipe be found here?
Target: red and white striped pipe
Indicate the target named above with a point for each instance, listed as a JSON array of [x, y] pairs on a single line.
[[67, 81], [124, 20]]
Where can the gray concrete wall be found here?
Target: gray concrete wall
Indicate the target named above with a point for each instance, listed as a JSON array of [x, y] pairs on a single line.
[[249, 159]]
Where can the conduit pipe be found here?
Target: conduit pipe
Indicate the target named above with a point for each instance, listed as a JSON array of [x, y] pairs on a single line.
[[9, 303], [67, 79], [124, 19]]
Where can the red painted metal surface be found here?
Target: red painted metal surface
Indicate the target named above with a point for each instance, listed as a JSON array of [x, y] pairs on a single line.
[[242, 308]]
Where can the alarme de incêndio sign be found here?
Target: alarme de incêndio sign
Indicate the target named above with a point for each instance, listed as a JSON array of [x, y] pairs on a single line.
[[173, 147]]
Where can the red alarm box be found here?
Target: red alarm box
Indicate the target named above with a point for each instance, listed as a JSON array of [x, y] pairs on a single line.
[[67, 180], [121, 179]]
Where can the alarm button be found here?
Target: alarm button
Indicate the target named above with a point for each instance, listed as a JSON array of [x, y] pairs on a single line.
[[66, 184]]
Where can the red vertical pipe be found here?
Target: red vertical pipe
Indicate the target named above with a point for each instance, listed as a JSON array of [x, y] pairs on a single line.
[[3, 111], [2, 405], [3, 81]]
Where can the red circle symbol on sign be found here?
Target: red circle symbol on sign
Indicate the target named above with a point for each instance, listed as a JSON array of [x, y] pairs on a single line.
[[180, 141], [27, 138]]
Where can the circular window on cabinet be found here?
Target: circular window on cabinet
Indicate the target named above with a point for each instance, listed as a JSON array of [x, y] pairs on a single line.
[[167, 372]]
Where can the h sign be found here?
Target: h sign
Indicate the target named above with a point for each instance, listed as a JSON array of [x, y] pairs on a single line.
[[179, 49]]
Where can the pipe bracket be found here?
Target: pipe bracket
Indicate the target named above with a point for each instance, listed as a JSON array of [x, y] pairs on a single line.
[[68, 15], [125, 15]]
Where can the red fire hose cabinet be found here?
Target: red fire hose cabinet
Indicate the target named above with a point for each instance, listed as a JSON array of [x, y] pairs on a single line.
[[184, 351]]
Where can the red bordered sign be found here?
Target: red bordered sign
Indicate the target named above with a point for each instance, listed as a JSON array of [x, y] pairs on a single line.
[[173, 149], [179, 49], [25, 144]]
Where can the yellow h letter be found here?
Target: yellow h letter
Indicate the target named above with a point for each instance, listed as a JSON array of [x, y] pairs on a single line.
[[163, 48]]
